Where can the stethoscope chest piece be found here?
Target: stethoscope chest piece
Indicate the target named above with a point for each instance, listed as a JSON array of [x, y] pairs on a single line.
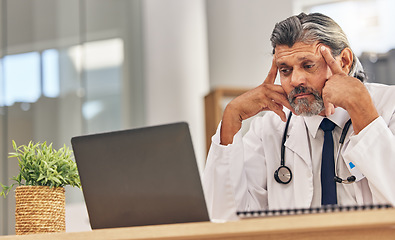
[[283, 175]]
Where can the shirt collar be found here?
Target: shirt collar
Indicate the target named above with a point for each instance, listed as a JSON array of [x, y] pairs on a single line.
[[340, 117]]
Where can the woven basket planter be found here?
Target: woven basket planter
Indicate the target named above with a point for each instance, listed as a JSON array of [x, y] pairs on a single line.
[[39, 209]]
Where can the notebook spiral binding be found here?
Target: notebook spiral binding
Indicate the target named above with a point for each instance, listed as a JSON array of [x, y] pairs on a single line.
[[300, 211]]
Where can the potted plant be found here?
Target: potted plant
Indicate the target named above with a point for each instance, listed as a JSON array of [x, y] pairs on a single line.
[[40, 195]]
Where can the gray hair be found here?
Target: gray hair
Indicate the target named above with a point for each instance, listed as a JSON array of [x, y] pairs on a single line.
[[310, 28]]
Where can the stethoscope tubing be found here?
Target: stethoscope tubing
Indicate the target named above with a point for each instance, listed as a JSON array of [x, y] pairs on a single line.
[[350, 179]]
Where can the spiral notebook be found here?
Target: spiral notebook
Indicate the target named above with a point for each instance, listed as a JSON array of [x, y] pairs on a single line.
[[299, 211]]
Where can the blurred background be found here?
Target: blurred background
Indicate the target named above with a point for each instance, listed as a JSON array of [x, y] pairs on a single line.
[[73, 67]]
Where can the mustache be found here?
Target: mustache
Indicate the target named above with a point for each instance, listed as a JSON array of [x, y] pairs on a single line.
[[303, 90]]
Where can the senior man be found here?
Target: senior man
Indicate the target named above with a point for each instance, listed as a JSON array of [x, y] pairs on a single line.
[[291, 157]]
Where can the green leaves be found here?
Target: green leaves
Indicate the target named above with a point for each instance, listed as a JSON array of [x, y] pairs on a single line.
[[41, 165]]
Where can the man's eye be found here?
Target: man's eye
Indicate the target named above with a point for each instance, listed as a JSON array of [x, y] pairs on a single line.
[[309, 66], [285, 71]]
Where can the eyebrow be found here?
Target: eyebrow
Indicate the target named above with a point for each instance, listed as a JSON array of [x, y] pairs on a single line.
[[282, 64], [300, 59]]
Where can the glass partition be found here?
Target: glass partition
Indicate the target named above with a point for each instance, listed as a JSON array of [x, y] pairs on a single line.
[[62, 74]]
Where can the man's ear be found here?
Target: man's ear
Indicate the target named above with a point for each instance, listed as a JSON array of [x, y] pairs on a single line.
[[346, 59]]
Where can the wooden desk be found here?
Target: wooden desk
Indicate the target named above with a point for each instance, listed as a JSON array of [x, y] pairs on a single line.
[[371, 224]]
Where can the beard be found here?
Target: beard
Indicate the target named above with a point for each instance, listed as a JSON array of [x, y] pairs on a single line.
[[304, 106]]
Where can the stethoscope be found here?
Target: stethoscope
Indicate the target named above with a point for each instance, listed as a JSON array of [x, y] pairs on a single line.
[[283, 174]]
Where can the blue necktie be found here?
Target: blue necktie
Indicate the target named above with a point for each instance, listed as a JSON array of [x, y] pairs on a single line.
[[328, 185]]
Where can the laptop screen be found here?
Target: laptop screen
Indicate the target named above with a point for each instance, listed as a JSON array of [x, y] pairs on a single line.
[[140, 177]]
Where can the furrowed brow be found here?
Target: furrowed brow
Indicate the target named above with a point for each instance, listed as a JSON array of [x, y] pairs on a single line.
[[306, 58], [282, 64]]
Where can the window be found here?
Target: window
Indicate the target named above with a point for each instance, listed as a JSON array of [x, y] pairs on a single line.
[[50, 64], [22, 78], [28, 76]]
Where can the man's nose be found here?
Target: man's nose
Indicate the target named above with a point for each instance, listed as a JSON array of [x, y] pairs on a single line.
[[298, 78]]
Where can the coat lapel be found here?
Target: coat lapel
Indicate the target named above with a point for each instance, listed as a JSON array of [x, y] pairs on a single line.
[[298, 153]]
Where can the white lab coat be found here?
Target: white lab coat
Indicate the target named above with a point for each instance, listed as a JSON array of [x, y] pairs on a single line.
[[239, 177]]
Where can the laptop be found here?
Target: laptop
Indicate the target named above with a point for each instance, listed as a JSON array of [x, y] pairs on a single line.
[[137, 177]]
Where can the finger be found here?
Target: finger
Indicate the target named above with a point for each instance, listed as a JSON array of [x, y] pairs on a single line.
[[333, 65], [271, 76], [329, 108], [278, 95], [278, 109], [282, 101]]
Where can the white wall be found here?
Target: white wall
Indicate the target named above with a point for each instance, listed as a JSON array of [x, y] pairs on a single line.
[[175, 65], [240, 52]]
